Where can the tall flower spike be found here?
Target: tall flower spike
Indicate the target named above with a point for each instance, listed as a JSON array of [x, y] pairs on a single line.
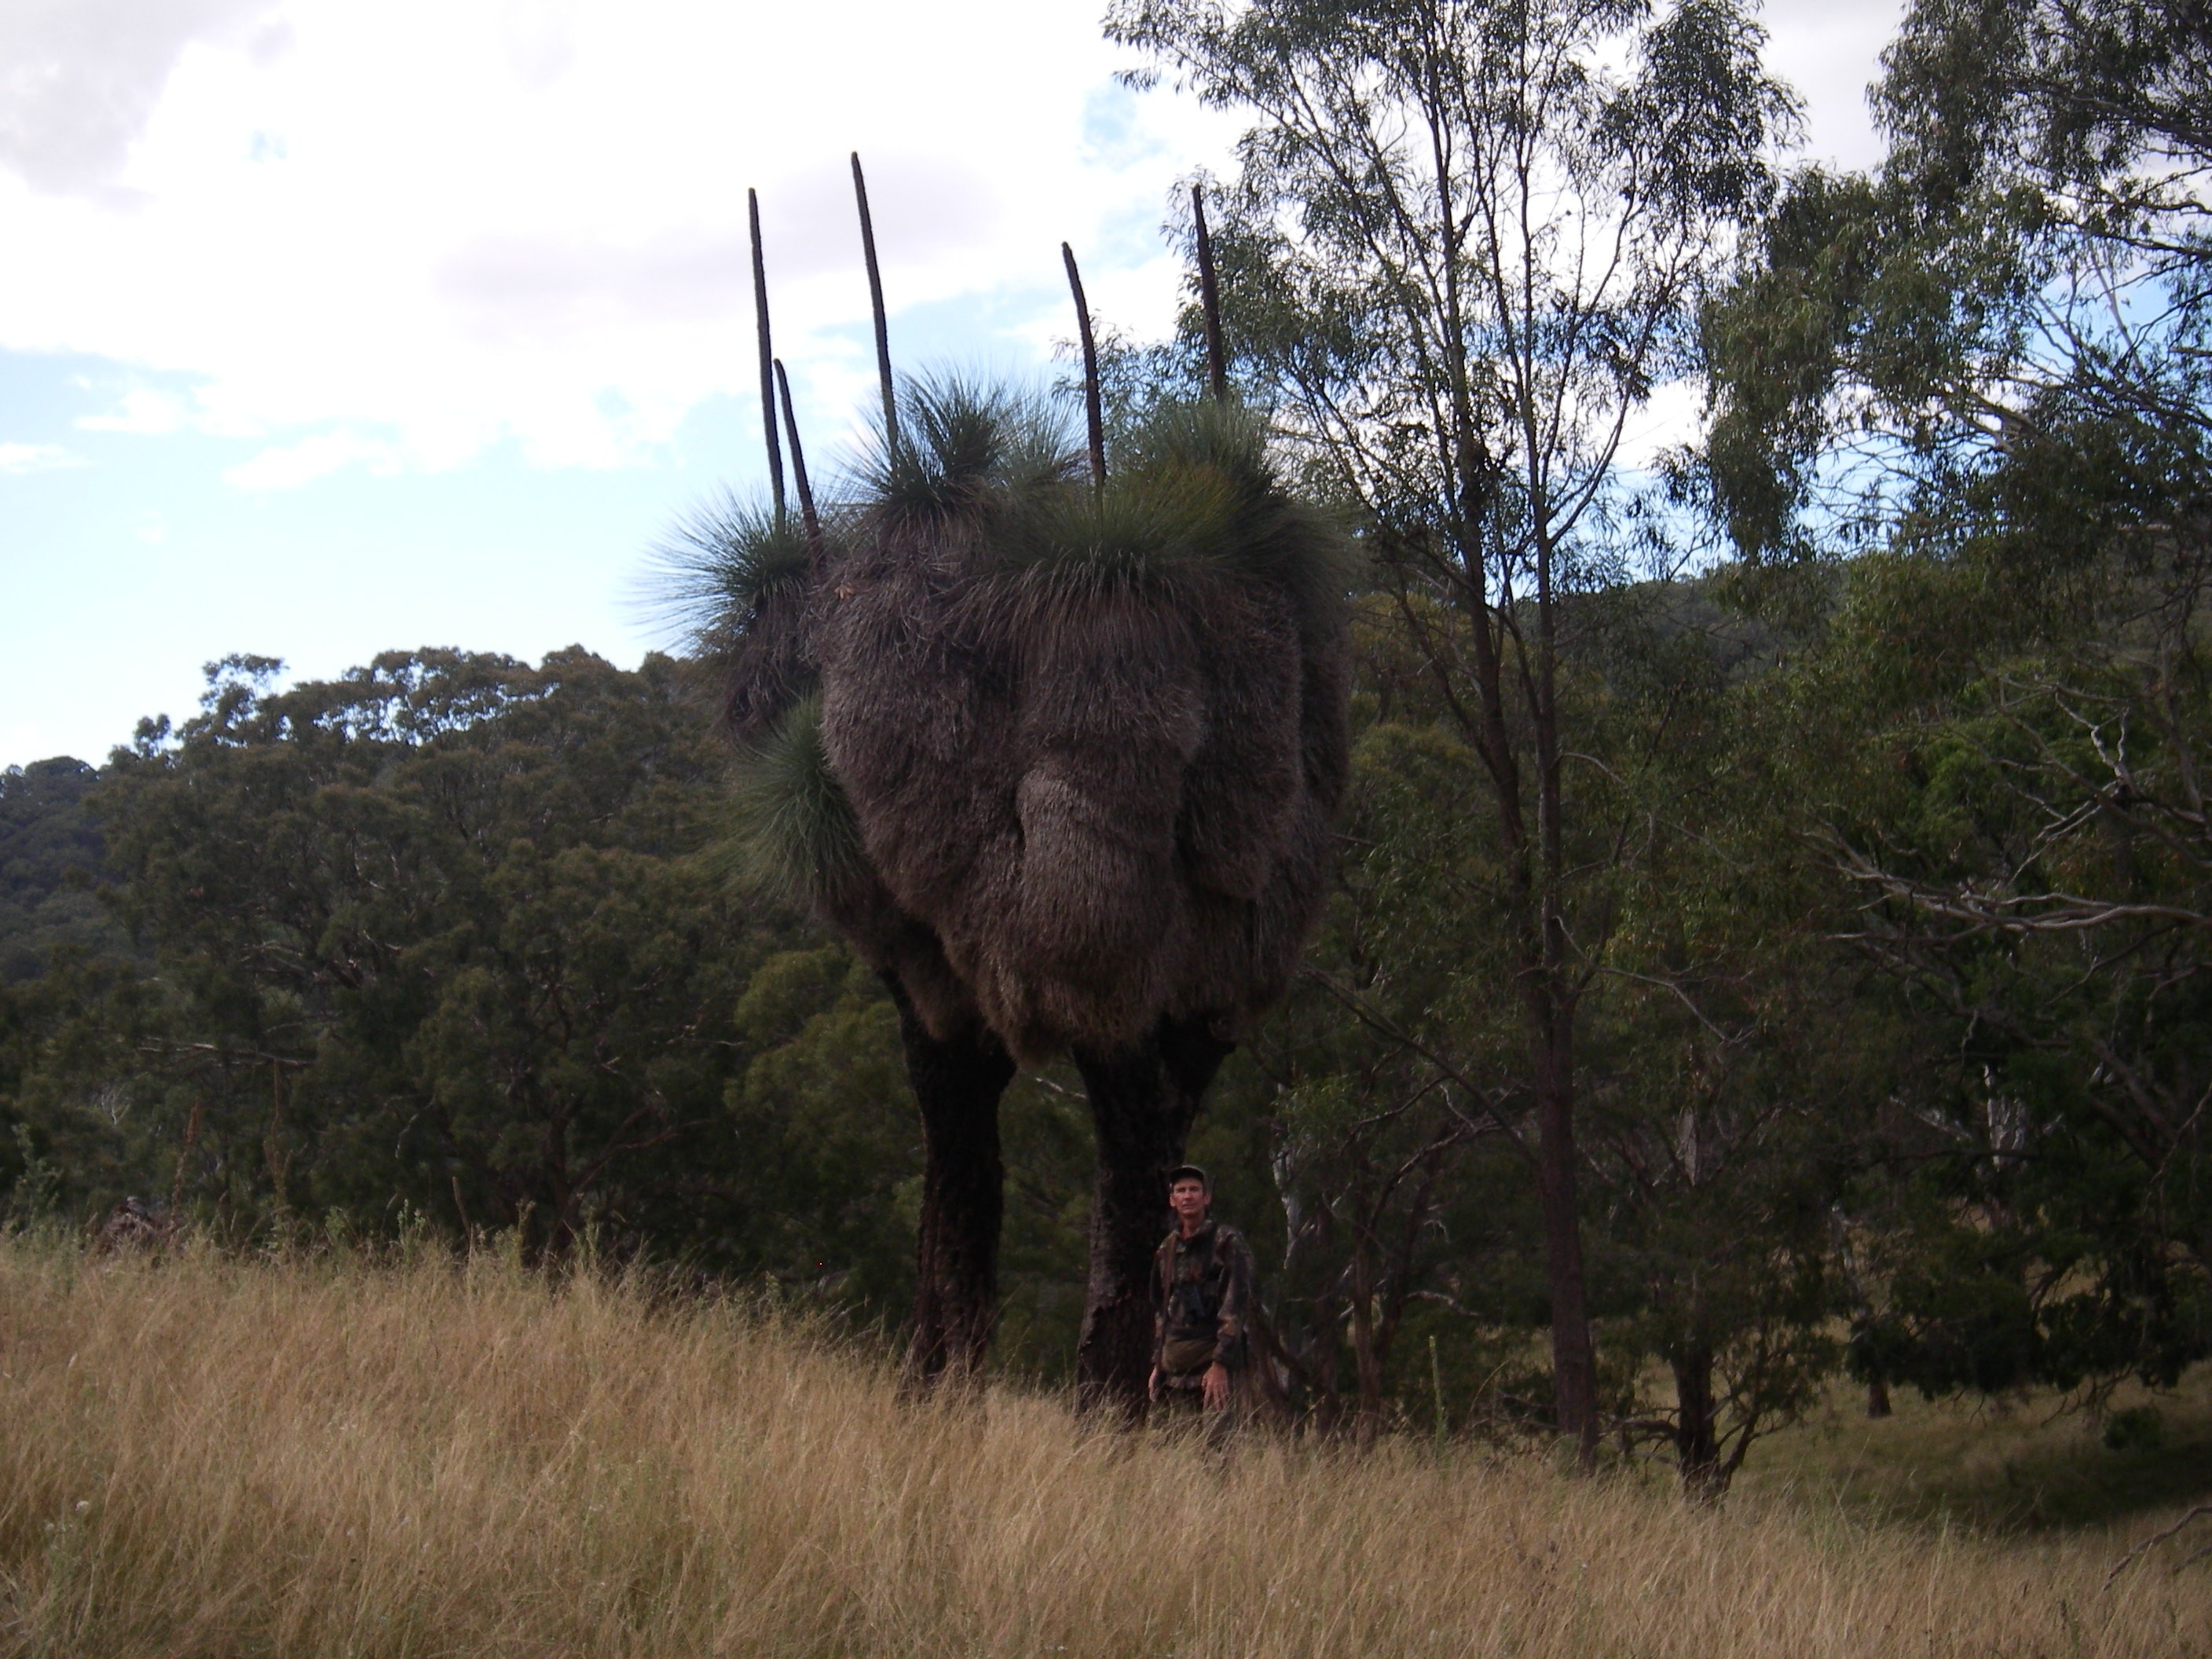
[[1093, 414], [767, 358], [813, 525], [1209, 296], [876, 302]]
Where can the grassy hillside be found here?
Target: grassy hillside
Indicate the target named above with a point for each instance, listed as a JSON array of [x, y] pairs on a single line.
[[212, 1457]]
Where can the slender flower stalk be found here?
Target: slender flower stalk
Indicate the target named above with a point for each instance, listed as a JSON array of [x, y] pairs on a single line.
[[807, 515], [876, 302], [1209, 295], [1094, 415], [766, 359]]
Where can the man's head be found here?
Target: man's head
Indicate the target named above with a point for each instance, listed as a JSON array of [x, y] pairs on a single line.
[[1188, 1193]]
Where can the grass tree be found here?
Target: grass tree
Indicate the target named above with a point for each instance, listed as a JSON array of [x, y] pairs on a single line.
[[1059, 758]]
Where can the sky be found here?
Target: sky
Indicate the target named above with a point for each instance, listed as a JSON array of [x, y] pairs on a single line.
[[328, 328]]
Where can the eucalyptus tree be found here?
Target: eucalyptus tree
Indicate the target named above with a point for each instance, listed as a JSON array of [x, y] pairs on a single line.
[[1983, 366], [427, 939], [1462, 255]]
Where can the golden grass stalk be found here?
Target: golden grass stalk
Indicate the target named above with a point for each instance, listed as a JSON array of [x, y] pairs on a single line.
[[322, 1457]]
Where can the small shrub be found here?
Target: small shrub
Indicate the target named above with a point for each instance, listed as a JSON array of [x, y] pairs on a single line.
[[2138, 1428]]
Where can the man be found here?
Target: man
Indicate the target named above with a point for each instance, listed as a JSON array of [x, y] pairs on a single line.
[[1202, 1297]]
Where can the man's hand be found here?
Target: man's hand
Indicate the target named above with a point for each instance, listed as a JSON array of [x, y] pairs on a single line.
[[1152, 1384], [1216, 1386]]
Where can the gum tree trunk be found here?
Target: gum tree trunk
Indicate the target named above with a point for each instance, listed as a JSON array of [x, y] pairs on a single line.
[[1142, 1104], [1696, 1450], [1877, 1395], [1574, 1358], [957, 1084]]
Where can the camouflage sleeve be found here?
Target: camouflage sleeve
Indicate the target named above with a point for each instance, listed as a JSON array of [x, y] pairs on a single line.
[[1158, 1293], [1239, 1294]]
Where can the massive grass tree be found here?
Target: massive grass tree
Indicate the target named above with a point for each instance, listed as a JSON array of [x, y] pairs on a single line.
[[1057, 752]]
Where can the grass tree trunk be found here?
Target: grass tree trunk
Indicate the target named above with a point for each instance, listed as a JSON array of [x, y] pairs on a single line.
[[1143, 1101], [957, 1083]]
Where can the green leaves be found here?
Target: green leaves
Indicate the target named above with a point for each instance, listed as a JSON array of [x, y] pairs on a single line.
[[725, 565], [967, 452]]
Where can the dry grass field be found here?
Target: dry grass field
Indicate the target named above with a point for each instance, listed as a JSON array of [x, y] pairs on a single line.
[[319, 1457]]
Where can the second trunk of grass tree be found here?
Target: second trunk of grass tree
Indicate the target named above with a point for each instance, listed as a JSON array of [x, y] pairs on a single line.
[[1143, 1101]]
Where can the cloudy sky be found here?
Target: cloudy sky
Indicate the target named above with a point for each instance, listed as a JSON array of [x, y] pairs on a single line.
[[328, 327]]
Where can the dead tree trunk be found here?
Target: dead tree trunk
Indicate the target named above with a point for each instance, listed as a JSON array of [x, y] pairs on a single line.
[[1143, 1101], [957, 1084]]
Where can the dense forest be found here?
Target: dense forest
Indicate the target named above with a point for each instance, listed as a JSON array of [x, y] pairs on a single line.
[[1805, 828]]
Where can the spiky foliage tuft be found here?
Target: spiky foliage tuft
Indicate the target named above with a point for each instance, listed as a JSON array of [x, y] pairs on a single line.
[[962, 453], [737, 580], [795, 837], [1268, 532], [725, 560], [1195, 500], [1093, 738]]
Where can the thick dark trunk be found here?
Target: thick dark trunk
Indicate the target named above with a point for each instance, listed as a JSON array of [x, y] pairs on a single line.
[[957, 1084], [1696, 1447], [1877, 1395], [1574, 1360], [1142, 1103]]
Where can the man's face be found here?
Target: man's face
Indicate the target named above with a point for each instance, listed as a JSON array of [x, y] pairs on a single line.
[[1187, 1198]]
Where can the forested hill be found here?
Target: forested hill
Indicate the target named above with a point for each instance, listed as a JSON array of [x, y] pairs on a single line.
[[51, 859], [447, 945]]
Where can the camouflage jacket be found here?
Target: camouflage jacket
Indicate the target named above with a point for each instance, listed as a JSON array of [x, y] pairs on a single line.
[[1202, 1294]]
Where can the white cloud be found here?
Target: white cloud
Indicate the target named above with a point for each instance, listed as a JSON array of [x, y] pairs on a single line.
[[145, 411], [289, 466], [465, 222], [79, 78], [155, 412], [459, 223], [18, 459], [1829, 51]]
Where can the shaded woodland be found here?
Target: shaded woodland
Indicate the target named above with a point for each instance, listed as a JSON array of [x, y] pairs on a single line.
[[1761, 939]]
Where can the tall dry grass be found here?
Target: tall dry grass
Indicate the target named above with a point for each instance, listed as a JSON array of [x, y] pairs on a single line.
[[311, 1458]]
